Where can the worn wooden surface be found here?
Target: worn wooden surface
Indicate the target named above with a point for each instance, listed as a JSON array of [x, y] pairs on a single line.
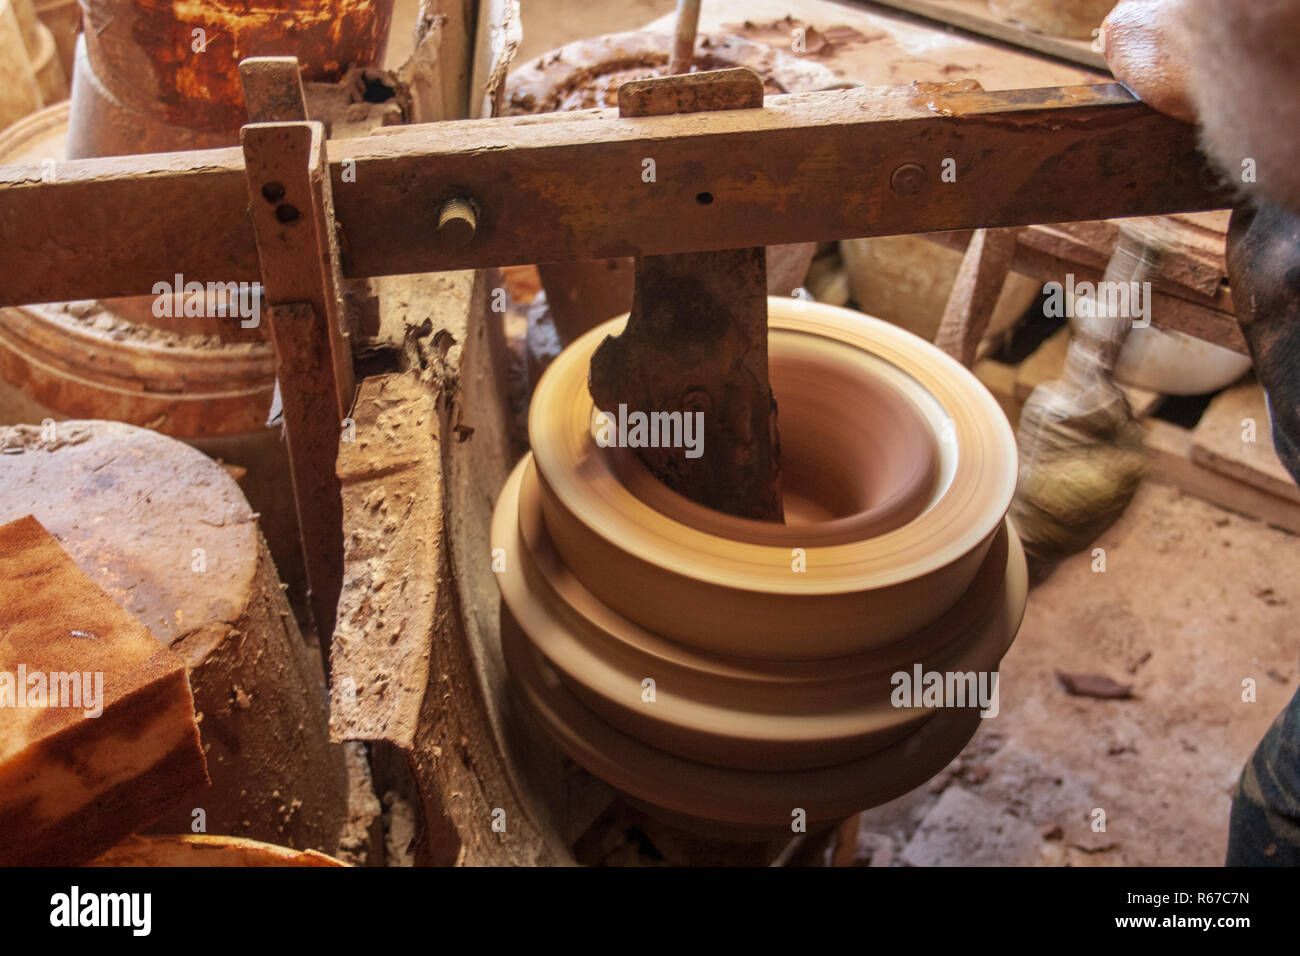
[[292, 219], [417, 664], [167, 533], [1170, 448], [273, 90], [974, 17], [1234, 437], [292, 213], [107, 756], [438, 69], [496, 39], [805, 167], [734, 89]]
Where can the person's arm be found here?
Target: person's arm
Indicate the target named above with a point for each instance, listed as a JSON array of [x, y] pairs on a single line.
[[1233, 66]]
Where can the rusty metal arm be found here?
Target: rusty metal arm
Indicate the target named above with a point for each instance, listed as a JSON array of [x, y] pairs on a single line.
[[595, 185]]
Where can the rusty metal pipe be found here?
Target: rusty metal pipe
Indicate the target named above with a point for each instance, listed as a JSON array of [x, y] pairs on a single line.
[[157, 76]]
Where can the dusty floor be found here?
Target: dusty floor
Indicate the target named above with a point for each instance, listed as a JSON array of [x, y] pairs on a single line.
[[1193, 601]]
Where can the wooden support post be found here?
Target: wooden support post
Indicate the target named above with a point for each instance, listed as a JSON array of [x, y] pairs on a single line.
[[272, 89], [293, 222], [696, 340], [975, 292]]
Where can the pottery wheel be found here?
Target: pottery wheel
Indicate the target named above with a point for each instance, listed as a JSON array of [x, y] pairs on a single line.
[[728, 670]]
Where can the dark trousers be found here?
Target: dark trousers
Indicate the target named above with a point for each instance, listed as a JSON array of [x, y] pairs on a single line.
[[1264, 269]]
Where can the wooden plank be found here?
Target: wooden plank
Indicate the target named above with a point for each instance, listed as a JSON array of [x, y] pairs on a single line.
[[1170, 448], [448, 26], [496, 40], [107, 757], [973, 16], [1171, 308], [1194, 269], [1219, 441], [975, 292], [734, 89], [805, 167], [272, 89], [291, 213]]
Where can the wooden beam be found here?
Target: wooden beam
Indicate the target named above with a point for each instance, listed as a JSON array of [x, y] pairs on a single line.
[[292, 217], [805, 167], [1172, 463], [272, 89], [972, 16], [975, 292], [1172, 310]]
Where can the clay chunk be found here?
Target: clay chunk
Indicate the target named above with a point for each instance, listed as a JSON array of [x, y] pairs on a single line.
[[97, 729]]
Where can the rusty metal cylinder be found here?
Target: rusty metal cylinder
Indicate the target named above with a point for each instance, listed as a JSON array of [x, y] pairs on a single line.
[[153, 76]]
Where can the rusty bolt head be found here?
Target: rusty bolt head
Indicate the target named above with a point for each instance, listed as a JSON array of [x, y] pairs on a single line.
[[457, 221], [908, 179]]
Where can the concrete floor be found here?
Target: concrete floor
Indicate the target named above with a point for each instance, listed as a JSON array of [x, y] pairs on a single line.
[[1194, 600]]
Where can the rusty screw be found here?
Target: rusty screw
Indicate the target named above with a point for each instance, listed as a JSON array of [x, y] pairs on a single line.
[[457, 221], [908, 179]]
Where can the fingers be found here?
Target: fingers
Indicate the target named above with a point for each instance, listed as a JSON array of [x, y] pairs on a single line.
[[1147, 49]]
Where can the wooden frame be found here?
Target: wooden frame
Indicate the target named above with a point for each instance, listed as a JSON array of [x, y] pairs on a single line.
[[848, 163]]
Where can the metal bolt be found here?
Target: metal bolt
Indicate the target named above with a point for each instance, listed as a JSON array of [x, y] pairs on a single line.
[[908, 179], [457, 221]]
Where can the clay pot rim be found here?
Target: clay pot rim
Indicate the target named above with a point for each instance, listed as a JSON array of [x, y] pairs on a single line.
[[987, 466], [909, 492], [217, 361]]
